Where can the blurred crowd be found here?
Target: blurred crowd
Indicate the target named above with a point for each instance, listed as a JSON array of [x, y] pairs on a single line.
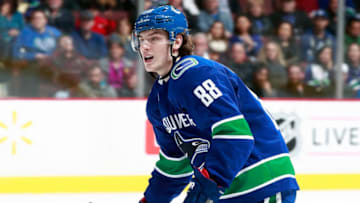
[[82, 48]]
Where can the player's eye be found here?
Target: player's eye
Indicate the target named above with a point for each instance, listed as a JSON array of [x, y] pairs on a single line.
[[154, 39]]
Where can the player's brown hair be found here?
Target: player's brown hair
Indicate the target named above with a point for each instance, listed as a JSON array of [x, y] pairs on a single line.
[[187, 46]]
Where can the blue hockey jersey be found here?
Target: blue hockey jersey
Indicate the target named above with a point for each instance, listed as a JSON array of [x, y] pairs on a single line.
[[204, 116]]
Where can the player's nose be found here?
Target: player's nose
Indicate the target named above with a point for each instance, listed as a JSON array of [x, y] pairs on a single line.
[[145, 45]]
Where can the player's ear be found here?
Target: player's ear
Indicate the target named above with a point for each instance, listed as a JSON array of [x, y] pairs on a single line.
[[178, 42]]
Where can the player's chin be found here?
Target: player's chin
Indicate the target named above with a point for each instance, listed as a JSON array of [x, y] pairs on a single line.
[[148, 67]]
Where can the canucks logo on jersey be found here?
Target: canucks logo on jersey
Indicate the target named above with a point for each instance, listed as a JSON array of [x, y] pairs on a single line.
[[191, 147], [182, 66]]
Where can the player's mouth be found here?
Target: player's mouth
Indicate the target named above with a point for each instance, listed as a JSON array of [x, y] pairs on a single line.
[[148, 59]]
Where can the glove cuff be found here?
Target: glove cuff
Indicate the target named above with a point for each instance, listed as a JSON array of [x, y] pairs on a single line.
[[205, 173], [143, 200]]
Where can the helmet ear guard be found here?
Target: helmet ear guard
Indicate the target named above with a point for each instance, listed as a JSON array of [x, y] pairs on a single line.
[[135, 44]]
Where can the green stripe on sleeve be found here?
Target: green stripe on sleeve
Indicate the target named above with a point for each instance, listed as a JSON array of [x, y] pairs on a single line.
[[174, 167], [237, 126], [260, 175]]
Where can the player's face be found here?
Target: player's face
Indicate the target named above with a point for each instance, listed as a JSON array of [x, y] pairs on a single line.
[[155, 51]]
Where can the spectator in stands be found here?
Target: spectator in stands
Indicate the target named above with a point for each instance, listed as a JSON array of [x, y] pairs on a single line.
[[191, 6], [36, 41], [192, 19], [58, 16], [320, 74], [324, 4], [357, 6], [272, 56], [67, 87], [352, 31], [215, 55], [72, 5], [201, 45], [212, 13], [331, 7], [88, 43], [148, 4], [124, 5], [288, 12], [65, 60], [101, 24], [112, 8], [120, 71], [243, 34], [260, 83], [316, 38], [261, 24], [236, 7], [124, 31], [96, 86], [285, 38], [218, 41], [239, 62], [5, 78], [63, 64], [295, 86], [15, 80], [11, 23], [105, 5], [27, 6], [353, 61]]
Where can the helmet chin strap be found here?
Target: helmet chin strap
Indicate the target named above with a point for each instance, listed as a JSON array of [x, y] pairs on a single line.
[[174, 58]]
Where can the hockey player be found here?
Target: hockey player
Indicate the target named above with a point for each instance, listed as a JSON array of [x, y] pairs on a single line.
[[211, 129]]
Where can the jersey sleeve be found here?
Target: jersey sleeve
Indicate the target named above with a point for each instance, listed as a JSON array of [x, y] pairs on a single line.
[[172, 171], [211, 98]]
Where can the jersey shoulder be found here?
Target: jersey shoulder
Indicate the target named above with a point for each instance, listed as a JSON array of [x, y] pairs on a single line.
[[192, 68], [189, 63], [206, 72]]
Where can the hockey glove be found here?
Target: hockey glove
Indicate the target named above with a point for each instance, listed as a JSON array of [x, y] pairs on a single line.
[[203, 189]]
